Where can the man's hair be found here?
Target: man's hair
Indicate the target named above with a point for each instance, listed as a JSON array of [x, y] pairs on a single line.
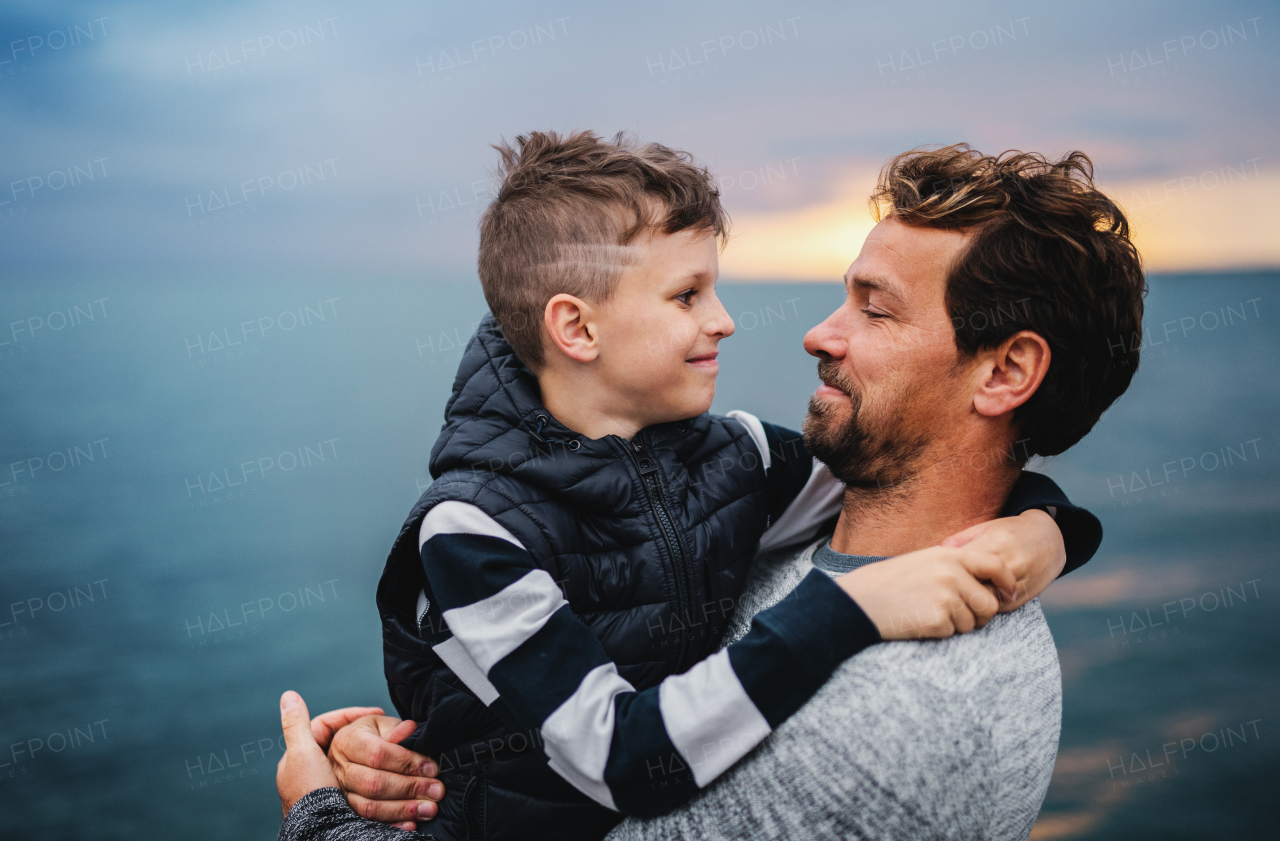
[[1050, 254], [566, 210]]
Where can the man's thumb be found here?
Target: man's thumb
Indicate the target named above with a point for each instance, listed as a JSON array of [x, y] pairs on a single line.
[[295, 721]]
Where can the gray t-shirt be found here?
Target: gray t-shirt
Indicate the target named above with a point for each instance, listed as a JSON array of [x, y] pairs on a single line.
[[942, 739]]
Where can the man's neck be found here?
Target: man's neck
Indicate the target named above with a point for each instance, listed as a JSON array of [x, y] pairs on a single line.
[[933, 504]]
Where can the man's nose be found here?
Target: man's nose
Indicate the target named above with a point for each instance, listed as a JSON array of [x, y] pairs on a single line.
[[826, 341]]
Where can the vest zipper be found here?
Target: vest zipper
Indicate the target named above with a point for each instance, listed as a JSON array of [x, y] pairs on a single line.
[[648, 470]]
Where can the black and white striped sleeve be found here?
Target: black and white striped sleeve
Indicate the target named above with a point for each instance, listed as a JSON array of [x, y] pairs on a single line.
[[513, 636], [803, 495]]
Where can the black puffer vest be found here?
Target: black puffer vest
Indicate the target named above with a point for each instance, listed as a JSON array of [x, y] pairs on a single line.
[[650, 540]]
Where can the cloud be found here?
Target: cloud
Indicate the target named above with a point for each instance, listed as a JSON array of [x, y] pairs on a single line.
[[183, 99], [1211, 218]]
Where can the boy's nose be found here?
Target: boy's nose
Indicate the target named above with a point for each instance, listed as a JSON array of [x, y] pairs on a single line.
[[722, 323]]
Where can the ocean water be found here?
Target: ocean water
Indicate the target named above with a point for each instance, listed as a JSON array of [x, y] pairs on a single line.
[[201, 478]]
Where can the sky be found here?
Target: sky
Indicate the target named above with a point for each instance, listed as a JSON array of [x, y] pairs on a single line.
[[355, 138]]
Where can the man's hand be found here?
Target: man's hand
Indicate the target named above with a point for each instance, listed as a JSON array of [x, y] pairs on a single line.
[[1029, 543], [383, 781], [303, 768], [325, 725], [932, 592]]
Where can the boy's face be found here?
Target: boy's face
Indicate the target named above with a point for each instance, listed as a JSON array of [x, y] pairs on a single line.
[[660, 330]]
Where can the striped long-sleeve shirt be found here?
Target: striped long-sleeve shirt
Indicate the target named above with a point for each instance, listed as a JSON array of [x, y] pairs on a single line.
[[514, 637]]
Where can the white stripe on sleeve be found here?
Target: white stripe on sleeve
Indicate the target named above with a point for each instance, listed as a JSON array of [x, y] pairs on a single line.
[[818, 501], [457, 659], [710, 718], [577, 736], [492, 628], [756, 430], [453, 517]]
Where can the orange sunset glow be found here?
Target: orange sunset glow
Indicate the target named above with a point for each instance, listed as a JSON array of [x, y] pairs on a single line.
[[1221, 218]]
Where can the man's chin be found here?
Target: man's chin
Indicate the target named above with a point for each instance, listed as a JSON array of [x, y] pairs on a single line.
[[827, 411], [822, 431], [850, 453]]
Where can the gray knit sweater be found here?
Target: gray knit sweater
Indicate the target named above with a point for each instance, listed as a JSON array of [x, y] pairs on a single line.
[[940, 739]]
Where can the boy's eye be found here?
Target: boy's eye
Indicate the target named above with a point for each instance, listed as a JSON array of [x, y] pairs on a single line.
[[685, 297]]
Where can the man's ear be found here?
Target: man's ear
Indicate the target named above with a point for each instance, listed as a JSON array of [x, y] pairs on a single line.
[[1011, 372], [571, 323]]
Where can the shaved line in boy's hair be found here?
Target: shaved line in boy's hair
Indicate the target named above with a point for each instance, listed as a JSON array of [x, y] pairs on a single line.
[[583, 256]]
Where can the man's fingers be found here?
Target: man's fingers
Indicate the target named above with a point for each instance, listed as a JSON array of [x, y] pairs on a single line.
[[400, 732], [363, 747], [295, 722], [303, 767], [325, 725], [384, 785], [385, 725], [392, 811]]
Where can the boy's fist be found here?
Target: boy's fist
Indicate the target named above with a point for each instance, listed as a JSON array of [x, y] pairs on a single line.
[[1030, 543], [930, 593]]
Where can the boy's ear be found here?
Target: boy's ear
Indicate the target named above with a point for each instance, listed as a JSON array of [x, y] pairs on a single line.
[[570, 322]]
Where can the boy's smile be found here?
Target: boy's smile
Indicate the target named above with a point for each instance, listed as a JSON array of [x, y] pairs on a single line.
[[706, 360]]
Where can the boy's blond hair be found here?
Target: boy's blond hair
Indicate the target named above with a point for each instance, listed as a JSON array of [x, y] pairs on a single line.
[[566, 212]]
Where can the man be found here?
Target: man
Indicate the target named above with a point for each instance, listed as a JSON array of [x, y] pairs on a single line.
[[978, 330]]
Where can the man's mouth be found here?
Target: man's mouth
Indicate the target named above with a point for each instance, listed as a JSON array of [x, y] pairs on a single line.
[[828, 390], [705, 360], [831, 375]]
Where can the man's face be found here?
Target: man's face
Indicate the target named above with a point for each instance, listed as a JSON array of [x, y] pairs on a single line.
[[662, 327], [888, 360]]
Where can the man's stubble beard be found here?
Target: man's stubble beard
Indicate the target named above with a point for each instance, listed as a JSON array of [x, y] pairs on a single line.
[[876, 458]]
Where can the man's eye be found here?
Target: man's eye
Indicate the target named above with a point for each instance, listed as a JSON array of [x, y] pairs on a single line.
[[874, 314]]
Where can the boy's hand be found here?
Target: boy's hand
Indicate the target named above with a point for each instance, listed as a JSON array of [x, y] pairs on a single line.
[[382, 780], [932, 592], [1029, 543]]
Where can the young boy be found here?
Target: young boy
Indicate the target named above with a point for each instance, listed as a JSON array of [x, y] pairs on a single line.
[[554, 604]]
